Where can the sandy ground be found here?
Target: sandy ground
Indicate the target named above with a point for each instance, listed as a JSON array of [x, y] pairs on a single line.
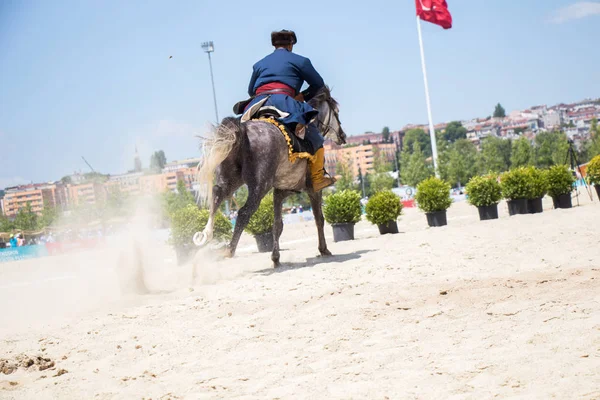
[[506, 308]]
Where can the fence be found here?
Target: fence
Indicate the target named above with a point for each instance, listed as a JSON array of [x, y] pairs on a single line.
[[48, 249]]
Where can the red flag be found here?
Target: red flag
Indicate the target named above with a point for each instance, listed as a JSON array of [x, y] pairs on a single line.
[[434, 11]]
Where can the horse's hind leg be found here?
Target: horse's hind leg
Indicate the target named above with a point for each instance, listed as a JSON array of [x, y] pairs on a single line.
[[315, 202], [228, 181], [278, 198], [202, 238]]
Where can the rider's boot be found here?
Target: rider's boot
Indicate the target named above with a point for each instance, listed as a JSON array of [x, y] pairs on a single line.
[[317, 172]]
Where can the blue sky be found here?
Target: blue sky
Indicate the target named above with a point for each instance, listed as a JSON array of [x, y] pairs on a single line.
[[94, 78]]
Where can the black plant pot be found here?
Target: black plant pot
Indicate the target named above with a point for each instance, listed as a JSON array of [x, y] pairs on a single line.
[[343, 232], [488, 212], [562, 201], [535, 206], [390, 227], [184, 253], [437, 218], [264, 242], [517, 206], [597, 190]]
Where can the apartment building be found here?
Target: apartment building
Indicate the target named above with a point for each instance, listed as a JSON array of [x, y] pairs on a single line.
[[87, 193], [361, 157], [36, 195]]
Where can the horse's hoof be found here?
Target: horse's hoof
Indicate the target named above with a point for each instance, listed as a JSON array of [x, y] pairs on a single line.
[[226, 252], [200, 239], [326, 253]]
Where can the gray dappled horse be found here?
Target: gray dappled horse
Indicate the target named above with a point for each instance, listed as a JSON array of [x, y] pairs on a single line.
[[256, 153]]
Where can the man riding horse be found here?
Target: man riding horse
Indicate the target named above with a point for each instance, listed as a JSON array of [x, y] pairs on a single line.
[[275, 84], [258, 149]]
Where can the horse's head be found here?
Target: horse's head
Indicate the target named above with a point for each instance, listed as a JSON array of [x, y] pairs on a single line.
[[328, 119]]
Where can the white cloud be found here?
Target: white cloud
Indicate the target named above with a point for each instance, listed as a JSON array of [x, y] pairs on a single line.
[[577, 10]]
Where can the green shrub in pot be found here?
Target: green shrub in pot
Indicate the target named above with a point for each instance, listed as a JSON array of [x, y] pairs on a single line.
[[383, 209], [342, 210], [560, 180], [516, 184], [516, 187], [593, 171], [433, 195], [262, 220], [186, 221], [261, 224], [342, 207], [538, 182], [483, 191], [190, 219]]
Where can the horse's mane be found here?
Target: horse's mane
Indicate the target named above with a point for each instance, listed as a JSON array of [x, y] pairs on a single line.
[[324, 95]]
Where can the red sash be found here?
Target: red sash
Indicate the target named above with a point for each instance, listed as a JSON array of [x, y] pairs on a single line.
[[276, 88]]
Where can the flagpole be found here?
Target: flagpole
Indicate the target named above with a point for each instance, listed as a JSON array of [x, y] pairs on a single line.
[[431, 129]]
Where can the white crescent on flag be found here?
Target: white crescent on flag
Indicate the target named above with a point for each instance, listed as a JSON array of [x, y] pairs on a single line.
[[423, 7]]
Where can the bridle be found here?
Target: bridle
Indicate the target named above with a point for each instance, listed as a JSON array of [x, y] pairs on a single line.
[[325, 126]]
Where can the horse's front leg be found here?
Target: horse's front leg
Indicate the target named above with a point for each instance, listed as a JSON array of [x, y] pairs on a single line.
[[315, 202], [278, 198]]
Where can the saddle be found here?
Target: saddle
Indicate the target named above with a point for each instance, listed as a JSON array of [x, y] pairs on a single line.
[[297, 148]]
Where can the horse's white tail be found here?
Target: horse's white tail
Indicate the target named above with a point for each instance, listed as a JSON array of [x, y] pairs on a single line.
[[213, 152]]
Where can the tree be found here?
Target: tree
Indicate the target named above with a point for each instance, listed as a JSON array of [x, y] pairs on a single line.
[[522, 153], [66, 180], [495, 155], [26, 219], [462, 162], [594, 146], [385, 133], [444, 149], [95, 177], [551, 149], [380, 179], [417, 135], [499, 111], [414, 168], [6, 225], [346, 180], [454, 131], [158, 160], [178, 200], [49, 215], [361, 182], [584, 151]]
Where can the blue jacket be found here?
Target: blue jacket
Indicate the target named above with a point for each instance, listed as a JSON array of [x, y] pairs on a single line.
[[293, 70], [286, 67]]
